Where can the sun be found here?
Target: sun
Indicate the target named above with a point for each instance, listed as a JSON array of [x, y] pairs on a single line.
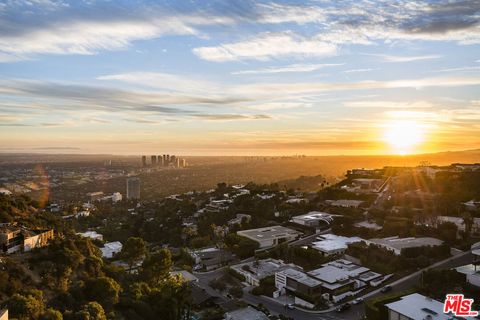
[[403, 136]]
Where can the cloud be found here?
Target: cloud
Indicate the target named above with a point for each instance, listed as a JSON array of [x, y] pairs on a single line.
[[278, 106], [288, 68], [108, 98], [391, 58], [265, 47], [466, 68], [359, 70], [75, 97], [15, 125], [29, 28], [171, 82], [344, 23], [227, 117], [80, 28], [278, 89], [275, 13], [56, 148], [388, 104]]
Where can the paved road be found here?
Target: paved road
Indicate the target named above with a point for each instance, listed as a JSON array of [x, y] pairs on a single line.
[[355, 313], [275, 307]]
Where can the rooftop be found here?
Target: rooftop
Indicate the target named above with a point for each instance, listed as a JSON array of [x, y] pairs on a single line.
[[91, 234], [469, 269], [344, 203], [313, 215], [340, 270], [402, 243], [301, 277], [268, 233], [331, 242], [417, 306], [246, 313], [110, 248], [262, 268]]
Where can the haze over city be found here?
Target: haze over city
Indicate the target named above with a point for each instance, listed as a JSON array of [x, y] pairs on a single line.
[[239, 77]]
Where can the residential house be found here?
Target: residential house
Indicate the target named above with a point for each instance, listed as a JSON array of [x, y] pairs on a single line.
[[254, 271], [330, 244], [270, 236], [18, 239], [416, 307], [397, 244], [246, 313]]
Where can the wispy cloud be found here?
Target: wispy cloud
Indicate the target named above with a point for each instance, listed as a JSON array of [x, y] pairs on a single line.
[[392, 58], [466, 68], [288, 68], [359, 70], [267, 46], [166, 81], [27, 28], [388, 104]]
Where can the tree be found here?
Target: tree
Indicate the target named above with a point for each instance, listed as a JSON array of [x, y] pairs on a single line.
[[236, 292], [241, 246], [52, 314], [217, 284], [27, 306], [133, 250], [447, 231], [91, 311], [103, 290], [170, 300], [157, 266]]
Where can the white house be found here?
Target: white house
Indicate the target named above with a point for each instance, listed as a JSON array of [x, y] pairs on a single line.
[[416, 307], [270, 236], [111, 248]]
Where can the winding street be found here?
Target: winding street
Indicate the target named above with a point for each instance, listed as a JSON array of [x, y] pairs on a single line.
[[354, 313]]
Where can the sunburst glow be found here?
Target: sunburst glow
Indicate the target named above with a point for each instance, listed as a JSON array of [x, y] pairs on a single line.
[[403, 136]]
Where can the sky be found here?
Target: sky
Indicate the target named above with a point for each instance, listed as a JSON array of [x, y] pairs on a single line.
[[239, 77]]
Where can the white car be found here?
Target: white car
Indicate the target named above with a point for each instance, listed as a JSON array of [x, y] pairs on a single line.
[[357, 301], [291, 306]]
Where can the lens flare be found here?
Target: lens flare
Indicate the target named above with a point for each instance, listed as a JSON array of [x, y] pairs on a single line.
[[403, 136], [41, 179]]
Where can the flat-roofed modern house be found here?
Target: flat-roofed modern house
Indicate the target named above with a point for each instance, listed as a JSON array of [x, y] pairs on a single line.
[[18, 239], [330, 244], [91, 234], [245, 313], [397, 244], [472, 270], [111, 248], [270, 236], [313, 218], [416, 307], [344, 203], [211, 258], [254, 271], [459, 222], [299, 284], [342, 278]]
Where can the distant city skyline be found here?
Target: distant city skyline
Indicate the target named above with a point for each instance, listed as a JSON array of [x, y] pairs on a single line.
[[239, 77]]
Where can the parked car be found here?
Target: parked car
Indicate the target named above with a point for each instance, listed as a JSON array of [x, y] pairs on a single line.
[[357, 301], [290, 306], [343, 307], [386, 289]]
